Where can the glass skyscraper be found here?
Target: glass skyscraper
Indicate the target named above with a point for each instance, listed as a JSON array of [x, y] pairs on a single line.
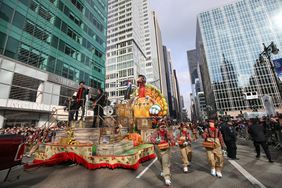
[[64, 37], [229, 41]]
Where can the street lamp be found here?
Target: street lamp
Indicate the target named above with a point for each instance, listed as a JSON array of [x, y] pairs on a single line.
[[265, 57]]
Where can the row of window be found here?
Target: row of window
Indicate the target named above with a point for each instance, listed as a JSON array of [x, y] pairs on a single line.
[[29, 55], [76, 20], [42, 34]]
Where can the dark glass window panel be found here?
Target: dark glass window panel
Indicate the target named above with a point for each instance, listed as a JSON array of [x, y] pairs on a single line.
[[25, 2], [64, 27], [54, 41], [59, 67], [65, 72], [58, 22], [61, 6], [12, 47], [81, 75], [6, 12], [98, 53], [77, 4], [3, 37], [19, 20], [33, 5], [66, 10], [44, 13], [87, 61], [51, 64], [71, 74], [61, 45]]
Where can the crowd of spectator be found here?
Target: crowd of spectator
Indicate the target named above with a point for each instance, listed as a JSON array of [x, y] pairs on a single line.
[[34, 136]]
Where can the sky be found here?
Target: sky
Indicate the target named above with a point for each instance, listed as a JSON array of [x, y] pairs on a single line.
[[177, 20]]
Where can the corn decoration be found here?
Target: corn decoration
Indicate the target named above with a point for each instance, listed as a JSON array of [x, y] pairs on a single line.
[[71, 140]]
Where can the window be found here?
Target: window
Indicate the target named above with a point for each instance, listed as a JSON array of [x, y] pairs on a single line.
[[24, 88], [12, 47], [44, 13], [3, 37], [70, 51], [6, 12], [18, 20], [77, 4], [98, 53]]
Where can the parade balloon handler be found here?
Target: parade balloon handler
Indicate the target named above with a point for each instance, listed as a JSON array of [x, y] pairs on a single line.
[[214, 144], [162, 139], [184, 142]]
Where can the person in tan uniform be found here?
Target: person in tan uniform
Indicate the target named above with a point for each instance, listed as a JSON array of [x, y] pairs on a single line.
[[215, 155], [184, 141], [163, 139]]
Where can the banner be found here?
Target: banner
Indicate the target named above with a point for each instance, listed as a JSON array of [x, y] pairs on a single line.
[[278, 67]]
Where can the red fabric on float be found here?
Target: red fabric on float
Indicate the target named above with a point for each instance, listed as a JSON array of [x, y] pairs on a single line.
[[70, 156]]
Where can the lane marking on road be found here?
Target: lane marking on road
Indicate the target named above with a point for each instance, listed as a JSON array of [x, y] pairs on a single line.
[[147, 168], [251, 178]]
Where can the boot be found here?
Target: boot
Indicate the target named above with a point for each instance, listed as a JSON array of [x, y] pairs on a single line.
[[218, 174], [213, 173], [167, 182]]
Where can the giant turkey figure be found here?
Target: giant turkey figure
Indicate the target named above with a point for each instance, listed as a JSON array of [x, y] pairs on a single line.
[[148, 101]]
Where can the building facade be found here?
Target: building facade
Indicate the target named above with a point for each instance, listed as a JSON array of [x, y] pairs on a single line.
[[192, 64], [229, 41], [176, 97], [125, 46], [65, 39], [168, 70], [134, 46]]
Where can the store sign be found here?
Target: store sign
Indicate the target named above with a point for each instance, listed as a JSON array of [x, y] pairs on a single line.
[[62, 81], [25, 105]]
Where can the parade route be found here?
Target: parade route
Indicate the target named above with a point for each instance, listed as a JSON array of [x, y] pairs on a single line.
[[148, 175]]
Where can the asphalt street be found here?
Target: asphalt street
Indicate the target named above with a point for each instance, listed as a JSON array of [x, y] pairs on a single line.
[[247, 172]]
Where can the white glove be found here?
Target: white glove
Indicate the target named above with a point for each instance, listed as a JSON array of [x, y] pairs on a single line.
[[176, 144], [155, 109], [185, 144], [158, 140]]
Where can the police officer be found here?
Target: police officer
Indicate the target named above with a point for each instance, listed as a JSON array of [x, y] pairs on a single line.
[[258, 132], [229, 136]]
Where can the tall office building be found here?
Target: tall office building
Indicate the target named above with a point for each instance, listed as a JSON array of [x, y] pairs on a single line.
[[168, 70], [229, 40], [192, 64], [160, 57], [197, 97], [46, 48], [134, 46], [176, 96], [125, 47]]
